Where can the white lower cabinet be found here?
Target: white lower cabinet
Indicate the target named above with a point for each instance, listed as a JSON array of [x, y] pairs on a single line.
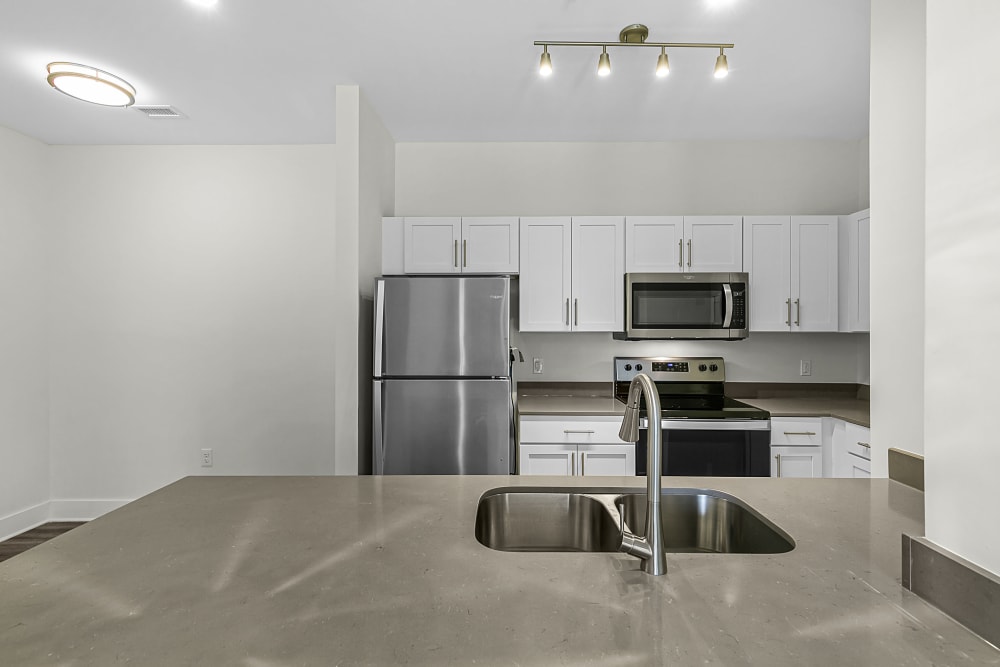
[[851, 450], [797, 447], [574, 446]]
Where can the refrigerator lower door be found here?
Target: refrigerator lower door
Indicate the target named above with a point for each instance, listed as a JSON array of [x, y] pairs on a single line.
[[443, 427]]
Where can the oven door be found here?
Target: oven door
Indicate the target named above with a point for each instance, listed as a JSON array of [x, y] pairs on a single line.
[[710, 448], [685, 305]]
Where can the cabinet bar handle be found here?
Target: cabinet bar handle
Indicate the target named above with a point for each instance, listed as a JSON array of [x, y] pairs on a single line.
[[798, 312], [566, 430], [567, 312], [689, 253], [465, 253], [801, 433], [865, 445], [583, 463], [576, 312], [572, 463], [788, 307], [456, 253], [680, 253], [777, 457]]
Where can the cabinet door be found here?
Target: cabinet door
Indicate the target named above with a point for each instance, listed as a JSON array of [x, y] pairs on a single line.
[[713, 243], [797, 462], [430, 245], [864, 276], [598, 273], [814, 273], [767, 258], [616, 460], [858, 467], [489, 245], [547, 460], [654, 244], [545, 278]]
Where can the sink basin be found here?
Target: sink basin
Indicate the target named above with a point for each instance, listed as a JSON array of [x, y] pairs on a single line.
[[532, 520], [589, 520], [702, 521]]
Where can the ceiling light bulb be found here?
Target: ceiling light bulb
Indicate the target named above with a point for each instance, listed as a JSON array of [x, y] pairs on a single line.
[[604, 64], [90, 84], [662, 65], [545, 65], [721, 66]]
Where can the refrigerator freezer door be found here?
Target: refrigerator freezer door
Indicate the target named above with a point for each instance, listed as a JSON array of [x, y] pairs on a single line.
[[443, 427], [443, 326]]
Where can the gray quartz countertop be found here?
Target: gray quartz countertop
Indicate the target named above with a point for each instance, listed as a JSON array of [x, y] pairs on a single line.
[[849, 409], [387, 571]]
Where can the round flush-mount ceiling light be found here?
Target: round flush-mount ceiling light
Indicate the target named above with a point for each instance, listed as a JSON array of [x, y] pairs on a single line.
[[90, 84]]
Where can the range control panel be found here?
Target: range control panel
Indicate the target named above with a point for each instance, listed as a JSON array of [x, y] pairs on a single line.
[[671, 369]]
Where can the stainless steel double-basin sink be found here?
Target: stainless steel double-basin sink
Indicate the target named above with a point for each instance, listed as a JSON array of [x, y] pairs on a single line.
[[592, 520]]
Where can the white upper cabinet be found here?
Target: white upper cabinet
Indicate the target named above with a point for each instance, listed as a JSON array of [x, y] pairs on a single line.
[[572, 274], [814, 273], [460, 245], [545, 279], [855, 272], [713, 243], [792, 262], [430, 245], [598, 273], [490, 245], [654, 244], [671, 244]]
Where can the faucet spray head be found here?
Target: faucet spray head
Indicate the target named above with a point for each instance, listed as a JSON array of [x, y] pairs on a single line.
[[629, 431]]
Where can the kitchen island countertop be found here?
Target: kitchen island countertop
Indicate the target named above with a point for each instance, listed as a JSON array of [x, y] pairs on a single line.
[[383, 571]]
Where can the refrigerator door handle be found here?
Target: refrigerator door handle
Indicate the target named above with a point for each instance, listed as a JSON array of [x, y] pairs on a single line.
[[379, 326], [378, 454]]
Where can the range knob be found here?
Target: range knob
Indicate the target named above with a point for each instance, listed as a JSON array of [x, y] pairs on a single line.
[[638, 367], [628, 367], [702, 367], [713, 367]]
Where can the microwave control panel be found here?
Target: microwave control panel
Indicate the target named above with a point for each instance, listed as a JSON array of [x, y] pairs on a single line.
[[739, 307]]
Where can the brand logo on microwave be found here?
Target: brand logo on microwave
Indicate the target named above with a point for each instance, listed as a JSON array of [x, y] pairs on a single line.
[[496, 296], [688, 277]]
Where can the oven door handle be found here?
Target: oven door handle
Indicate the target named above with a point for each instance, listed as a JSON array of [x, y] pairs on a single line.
[[728, 290], [710, 424]]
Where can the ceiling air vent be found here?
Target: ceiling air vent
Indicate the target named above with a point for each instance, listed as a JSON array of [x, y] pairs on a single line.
[[159, 111]]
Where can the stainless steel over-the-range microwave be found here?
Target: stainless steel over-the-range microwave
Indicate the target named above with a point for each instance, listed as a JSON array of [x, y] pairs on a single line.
[[686, 306]]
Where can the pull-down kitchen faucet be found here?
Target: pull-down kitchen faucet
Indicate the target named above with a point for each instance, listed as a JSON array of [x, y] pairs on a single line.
[[650, 547]]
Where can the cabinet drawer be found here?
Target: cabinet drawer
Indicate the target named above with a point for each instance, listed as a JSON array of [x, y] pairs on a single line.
[[858, 441], [797, 432], [569, 429]]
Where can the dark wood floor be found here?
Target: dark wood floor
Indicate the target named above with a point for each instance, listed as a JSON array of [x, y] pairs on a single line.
[[34, 537]]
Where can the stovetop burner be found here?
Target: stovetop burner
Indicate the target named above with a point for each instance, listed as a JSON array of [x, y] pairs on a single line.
[[689, 387]]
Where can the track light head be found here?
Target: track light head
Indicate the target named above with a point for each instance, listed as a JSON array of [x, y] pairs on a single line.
[[604, 64], [721, 66], [662, 64], [545, 64]]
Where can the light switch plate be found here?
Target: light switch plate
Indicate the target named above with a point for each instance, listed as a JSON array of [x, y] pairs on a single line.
[[805, 367], [537, 365]]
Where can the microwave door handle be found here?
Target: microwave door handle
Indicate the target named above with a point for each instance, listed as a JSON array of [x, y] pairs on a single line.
[[728, 290]]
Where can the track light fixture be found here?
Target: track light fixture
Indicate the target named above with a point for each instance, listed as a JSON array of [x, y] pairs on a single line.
[[635, 35]]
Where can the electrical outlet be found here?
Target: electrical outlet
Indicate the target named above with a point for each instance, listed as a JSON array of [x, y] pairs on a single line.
[[536, 366], [206, 458], [805, 367]]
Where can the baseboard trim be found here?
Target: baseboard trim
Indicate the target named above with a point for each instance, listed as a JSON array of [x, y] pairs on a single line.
[[26, 519], [69, 509], [959, 588]]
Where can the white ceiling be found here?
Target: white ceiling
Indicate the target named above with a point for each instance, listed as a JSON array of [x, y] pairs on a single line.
[[265, 71]]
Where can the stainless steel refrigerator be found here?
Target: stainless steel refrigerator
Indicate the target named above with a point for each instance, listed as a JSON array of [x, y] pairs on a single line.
[[442, 397]]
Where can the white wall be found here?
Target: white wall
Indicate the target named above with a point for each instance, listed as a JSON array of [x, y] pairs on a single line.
[[898, 102], [696, 177], [752, 178], [24, 448], [191, 308], [963, 277]]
